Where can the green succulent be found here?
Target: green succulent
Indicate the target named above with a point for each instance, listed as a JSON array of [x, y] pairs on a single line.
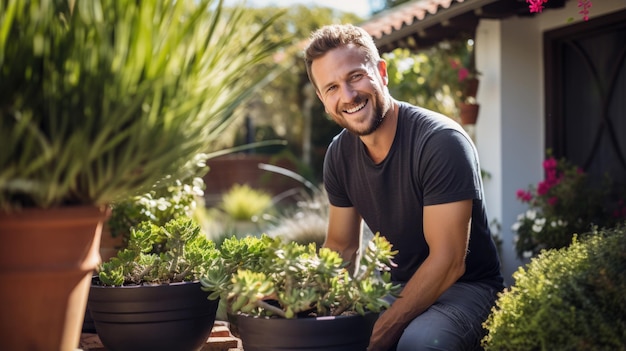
[[177, 251], [270, 276]]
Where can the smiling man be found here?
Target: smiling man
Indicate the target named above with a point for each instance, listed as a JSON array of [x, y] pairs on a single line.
[[413, 175]]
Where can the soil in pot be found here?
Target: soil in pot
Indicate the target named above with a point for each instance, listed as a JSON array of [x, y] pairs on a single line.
[[169, 317]]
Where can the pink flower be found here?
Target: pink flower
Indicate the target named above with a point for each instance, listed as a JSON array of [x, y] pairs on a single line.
[[549, 164], [553, 201], [463, 73], [535, 5], [524, 196], [585, 5], [543, 188], [551, 176]]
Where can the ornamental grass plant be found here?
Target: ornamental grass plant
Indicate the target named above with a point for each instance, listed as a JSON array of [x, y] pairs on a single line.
[[100, 99]]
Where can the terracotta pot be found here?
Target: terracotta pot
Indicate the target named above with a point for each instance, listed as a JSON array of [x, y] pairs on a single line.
[[468, 113], [471, 87], [176, 316], [47, 258], [343, 333], [109, 245]]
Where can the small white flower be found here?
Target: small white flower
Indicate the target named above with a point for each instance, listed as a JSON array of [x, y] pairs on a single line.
[[540, 221], [531, 214], [538, 226], [527, 254], [515, 227]]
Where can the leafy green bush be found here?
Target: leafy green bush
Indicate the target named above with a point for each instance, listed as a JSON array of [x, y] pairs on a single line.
[[567, 299]]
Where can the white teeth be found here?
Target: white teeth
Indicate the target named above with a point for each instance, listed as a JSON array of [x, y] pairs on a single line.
[[355, 109]]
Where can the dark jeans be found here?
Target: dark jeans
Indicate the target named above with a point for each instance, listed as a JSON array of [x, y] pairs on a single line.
[[453, 322]]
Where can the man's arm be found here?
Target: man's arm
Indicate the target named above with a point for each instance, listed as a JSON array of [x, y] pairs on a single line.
[[446, 230], [344, 232]]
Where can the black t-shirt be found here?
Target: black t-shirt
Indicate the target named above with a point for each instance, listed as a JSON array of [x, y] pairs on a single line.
[[432, 161]]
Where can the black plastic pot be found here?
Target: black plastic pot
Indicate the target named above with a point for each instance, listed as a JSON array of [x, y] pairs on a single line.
[[342, 333], [162, 317]]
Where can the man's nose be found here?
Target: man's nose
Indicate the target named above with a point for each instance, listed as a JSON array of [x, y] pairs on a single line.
[[348, 93]]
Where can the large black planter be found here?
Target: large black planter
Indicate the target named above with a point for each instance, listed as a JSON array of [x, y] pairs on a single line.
[[162, 317], [343, 333]]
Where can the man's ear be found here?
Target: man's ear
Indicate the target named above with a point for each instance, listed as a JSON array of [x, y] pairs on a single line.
[[382, 70]]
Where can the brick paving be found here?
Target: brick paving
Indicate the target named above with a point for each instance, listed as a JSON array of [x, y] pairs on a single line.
[[221, 339]]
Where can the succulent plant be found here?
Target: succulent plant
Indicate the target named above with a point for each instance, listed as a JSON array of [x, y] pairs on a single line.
[[264, 276], [177, 251]]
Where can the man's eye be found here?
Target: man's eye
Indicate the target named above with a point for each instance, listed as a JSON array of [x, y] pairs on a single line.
[[357, 76], [331, 89]]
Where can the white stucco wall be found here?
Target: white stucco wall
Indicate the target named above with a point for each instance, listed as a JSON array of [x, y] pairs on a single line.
[[510, 129]]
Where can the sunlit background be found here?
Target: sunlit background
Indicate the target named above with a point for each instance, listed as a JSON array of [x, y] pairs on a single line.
[[358, 7]]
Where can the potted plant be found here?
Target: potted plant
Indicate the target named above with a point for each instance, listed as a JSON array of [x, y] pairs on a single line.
[[148, 297], [285, 295], [457, 70], [99, 100]]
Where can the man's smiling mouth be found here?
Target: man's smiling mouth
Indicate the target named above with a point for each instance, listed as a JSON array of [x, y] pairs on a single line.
[[357, 108]]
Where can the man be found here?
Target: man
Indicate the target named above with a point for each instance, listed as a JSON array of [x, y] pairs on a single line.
[[412, 175]]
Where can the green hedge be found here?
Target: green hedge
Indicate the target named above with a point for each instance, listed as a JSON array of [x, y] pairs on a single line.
[[568, 299]]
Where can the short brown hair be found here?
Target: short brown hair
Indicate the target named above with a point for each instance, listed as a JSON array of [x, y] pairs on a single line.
[[335, 36]]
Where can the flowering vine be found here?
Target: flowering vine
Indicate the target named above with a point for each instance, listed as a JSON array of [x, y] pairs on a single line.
[[537, 6]]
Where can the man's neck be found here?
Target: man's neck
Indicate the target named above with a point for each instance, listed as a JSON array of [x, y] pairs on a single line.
[[379, 143]]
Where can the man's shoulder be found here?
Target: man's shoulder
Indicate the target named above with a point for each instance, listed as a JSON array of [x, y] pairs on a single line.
[[422, 123], [422, 115], [344, 141]]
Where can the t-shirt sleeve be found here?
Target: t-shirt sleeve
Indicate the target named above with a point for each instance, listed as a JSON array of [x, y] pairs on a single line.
[[449, 168], [333, 180]]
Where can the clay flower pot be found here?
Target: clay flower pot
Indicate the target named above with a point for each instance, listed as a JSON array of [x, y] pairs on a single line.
[[47, 258], [468, 113]]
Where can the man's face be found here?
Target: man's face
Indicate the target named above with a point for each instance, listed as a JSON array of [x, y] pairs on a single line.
[[352, 89]]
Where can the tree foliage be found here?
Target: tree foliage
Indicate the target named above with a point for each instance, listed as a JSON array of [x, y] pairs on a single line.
[[278, 111]]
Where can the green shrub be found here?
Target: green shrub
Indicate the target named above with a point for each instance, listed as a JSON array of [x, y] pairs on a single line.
[[567, 299], [242, 202]]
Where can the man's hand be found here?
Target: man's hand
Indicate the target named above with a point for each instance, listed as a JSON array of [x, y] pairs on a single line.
[[386, 332]]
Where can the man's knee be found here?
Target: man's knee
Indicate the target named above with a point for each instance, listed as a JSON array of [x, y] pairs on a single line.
[[440, 328]]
